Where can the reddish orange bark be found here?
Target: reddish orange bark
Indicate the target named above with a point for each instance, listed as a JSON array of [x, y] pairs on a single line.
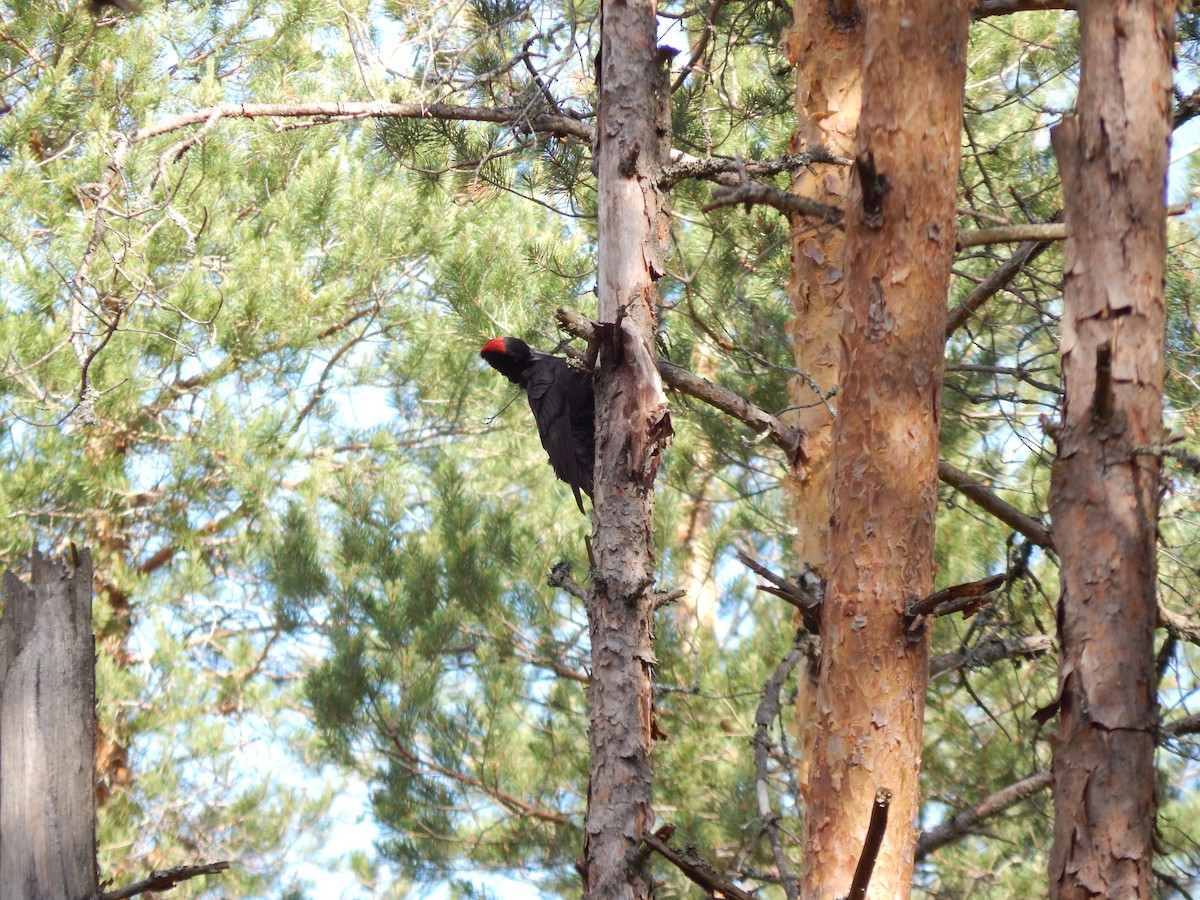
[[827, 48], [900, 235], [1104, 496]]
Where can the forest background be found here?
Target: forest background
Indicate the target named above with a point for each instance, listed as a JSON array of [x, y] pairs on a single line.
[[239, 362]]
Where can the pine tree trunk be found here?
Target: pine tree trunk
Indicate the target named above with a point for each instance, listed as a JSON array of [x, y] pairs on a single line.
[[1104, 496], [631, 426], [48, 733], [825, 43], [900, 236]]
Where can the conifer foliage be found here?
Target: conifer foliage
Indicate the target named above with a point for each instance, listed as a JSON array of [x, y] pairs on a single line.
[[249, 251]]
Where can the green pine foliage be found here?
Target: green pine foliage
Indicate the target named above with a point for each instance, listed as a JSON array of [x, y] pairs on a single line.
[[323, 527]]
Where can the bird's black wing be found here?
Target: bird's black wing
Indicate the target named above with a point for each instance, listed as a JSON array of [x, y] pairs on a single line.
[[562, 405]]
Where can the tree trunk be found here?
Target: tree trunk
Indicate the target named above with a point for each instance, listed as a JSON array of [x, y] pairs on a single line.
[[900, 236], [1104, 496], [632, 425], [48, 733], [826, 45]]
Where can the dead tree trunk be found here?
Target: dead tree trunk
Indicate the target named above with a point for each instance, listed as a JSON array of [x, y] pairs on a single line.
[[900, 236], [48, 733], [632, 424], [1104, 493]]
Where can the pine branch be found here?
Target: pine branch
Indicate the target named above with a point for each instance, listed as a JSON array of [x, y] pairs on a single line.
[[413, 763], [1029, 231], [985, 654], [991, 503], [701, 44], [986, 8], [1187, 108], [696, 869], [767, 712], [1178, 626], [1189, 461], [164, 880], [727, 171], [558, 126], [757, 193], [792, 441], [993, 284], [1032, 231], [965, 821]]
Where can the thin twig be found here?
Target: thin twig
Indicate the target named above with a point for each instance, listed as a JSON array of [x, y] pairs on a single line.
[[799, 596], [764, 716]]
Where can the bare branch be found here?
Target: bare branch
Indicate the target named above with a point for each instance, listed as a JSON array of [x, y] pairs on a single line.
[[559, 126], [967, 820], [792, 440], [1033, 231], [696, 869], [989, 502], [1178, 626], [1030, 231], [1189, 461], [993, 284], [972, 590], [754, 192], [560, 577], [874, 840], [164, 880], [1185, 725], [986, 8], [985, 654], [727, 171], [767, 712]]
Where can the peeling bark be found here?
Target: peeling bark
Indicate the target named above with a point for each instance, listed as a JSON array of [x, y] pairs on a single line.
[[827, 49], [1103, 497], [632, 426], [826, 46], [900, 236]]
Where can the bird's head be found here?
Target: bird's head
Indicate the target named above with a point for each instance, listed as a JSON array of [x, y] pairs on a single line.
[[509, 356]]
